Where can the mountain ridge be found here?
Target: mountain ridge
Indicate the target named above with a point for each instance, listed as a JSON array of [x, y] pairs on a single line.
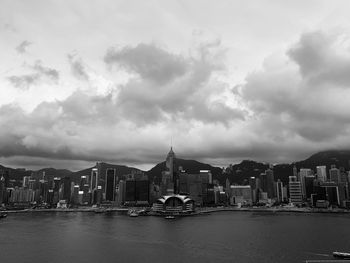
[[236, 173]]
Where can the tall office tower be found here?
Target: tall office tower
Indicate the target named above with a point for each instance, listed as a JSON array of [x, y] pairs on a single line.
[[270, 183], [334, 175], [279, 191], [295, 192], [25, 181], [295, 171], [254, 190], [111, 180], [304, 172], [321, 173], [2, 189], [172, 170], [56, 189], [66, 188], [94, 179], [44, 190], [309, 185], [121, 192], [142, 192], [83, 181]]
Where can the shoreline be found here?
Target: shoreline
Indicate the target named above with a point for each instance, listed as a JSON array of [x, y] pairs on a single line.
[[202, 211]]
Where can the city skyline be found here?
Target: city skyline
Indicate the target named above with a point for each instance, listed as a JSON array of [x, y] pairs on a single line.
[[110, 81]]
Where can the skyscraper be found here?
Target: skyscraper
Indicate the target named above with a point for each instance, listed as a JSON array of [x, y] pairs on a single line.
[[172, 170], [304, 172], [94, 179], [279, 191], [321, 173], [295, 191], [334, 175], [111, 181]]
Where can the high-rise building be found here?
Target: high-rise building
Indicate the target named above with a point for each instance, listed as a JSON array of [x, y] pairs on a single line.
[[295, 191], [94, 179], [111, 180], [309, 185], [121, 192], [172, 170], [279, 191], [334, 175], [66, 188], [240, 195], [321, 173], [270, 183], [304, 172], [254, 190]]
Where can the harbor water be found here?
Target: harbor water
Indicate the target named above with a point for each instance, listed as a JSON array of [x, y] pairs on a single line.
[[219, 237]]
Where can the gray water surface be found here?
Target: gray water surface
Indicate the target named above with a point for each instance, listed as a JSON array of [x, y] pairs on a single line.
[[221, 237]]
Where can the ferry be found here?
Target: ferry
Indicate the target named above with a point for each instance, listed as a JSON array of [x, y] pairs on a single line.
[[3, 215], [133, 213], [169, 217], [341, 255]]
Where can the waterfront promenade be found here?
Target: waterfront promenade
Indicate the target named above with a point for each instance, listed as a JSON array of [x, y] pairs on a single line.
[[199, 211]]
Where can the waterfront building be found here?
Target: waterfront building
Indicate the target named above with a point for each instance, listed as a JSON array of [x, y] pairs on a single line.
[[121, 192], [2, 190], [295, 191], [240, 195], [334, 175], [295, 171], [66, 191], [137, 192], [94, 179], [111, 180], [270, 189], [304, 172], [309, 181], [279, 191], [321, 173], [254, 190], [173, 203]]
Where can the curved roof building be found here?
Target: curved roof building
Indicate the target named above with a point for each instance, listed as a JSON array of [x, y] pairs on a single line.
[[173, 203]]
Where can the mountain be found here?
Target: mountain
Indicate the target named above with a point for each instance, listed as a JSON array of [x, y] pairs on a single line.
[[340, 158], [190, 166], [120, 170], [237, 173]]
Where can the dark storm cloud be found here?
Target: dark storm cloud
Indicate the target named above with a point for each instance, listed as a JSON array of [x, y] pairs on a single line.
[[303, 95], [170, 85], [22, 48], [77, 67], [39, 73], [149, 61], [320, 61]]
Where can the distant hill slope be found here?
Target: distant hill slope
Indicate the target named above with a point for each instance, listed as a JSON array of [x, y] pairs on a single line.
[[237, 173], [241, 172], [190, 166], [340, 158], [120, 169]]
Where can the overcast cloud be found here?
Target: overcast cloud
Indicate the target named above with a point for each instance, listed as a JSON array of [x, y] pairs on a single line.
[[107, 82]]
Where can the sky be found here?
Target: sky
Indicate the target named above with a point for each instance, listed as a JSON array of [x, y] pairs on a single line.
[[220, 81]]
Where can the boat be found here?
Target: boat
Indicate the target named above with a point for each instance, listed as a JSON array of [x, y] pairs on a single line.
[[169, 217], [3, 215], [133, 213], [344, 255], [99, 210]]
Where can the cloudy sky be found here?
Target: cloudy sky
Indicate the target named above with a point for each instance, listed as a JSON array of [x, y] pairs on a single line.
[[117, 81]]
